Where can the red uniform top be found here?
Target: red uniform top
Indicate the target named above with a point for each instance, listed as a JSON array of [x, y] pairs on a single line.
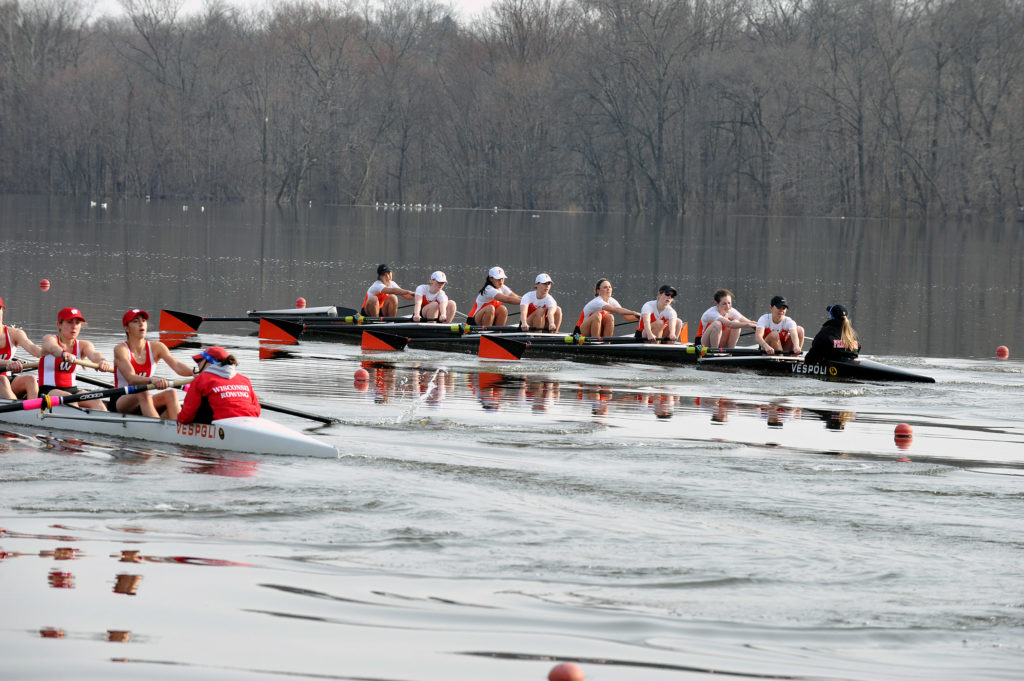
[[212, 397], [58, 373], [144, 369], [8, 350]]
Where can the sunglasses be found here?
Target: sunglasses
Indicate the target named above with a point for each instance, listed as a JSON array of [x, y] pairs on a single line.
[[669, 294]]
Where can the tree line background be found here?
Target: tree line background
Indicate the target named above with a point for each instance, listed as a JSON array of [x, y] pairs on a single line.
[[809, 107]]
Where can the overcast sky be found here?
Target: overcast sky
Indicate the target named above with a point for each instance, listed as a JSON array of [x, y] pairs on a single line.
[[468, 8]]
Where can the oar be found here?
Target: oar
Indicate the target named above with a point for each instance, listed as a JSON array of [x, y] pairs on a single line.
[[51, 401], [90, 365], [378, 340], [27, 366], [266, 405]]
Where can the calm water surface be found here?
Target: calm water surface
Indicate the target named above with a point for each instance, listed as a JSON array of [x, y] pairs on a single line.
[[487, 519]]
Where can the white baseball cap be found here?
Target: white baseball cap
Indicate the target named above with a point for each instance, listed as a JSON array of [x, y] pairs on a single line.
[[543, 278], [439, 277], [496, 273]]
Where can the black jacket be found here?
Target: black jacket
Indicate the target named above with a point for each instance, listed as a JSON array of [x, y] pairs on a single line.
[[828, 344]]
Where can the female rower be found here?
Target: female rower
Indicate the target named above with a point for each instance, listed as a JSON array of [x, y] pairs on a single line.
[[431, 302], [721, 324], [658, 319], [488, 309], [598, 316], [778, 333], [836, 340], [25, 386], [57, 366], [219, 391], [382, 297], [134, 361], [538, 309]]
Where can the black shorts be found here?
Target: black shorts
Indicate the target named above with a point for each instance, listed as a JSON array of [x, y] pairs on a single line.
[[71, 390]]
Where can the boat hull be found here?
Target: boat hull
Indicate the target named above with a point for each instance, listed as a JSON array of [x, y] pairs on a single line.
[[241, 434], [851, 370]]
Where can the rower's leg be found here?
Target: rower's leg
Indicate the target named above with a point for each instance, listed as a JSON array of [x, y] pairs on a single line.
[[26, 387], [558, 318], [675, 329], [166, 403], [390, 307], [485, 316], [589, 326], [372, 307], [607, 325], [729, 337], [429, 311], [5, 389], [449, 313], [536, 320], [774, 342], [712, 335], [500, 315]]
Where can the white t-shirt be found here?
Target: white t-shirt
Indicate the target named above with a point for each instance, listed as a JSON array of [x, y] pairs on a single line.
[[489, 293], [424, 290], [597, 304], [713, 314], [545, 303], [651, 308], [765, 322], [378, 286]]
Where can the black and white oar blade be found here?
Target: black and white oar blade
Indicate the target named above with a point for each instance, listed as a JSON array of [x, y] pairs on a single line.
[[180, 322], [280, 330], [496, 347], [386, 342]]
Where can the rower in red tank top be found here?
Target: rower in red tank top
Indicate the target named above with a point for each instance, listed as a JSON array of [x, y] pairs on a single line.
[[134, 361], [13, 383], [60, 350]]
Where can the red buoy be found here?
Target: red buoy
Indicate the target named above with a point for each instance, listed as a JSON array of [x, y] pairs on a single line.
[[566, 671], [300, 302], [1002, 352], [45, 284], [361, 379], [904, 430]]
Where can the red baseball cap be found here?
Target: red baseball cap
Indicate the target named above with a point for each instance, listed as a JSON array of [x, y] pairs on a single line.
[[68, 314], [214, 354], [132, 314]]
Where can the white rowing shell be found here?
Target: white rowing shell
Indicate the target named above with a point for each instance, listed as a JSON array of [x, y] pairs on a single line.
[[241, 434]]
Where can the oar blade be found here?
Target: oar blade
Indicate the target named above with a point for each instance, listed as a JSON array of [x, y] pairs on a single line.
[[178, 339], [496, 347], [684, 333], [181, 322], [385, 342], [279, 330]]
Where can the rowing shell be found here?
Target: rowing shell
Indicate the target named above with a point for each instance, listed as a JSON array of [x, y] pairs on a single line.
[[835, 370], [241, 434]]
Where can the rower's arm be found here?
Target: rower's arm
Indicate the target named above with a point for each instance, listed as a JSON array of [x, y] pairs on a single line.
[[161, 352], [510, 298], [21, 339]]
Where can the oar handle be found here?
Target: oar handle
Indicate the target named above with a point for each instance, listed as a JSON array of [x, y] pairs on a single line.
[[89, 365], [26, 366]]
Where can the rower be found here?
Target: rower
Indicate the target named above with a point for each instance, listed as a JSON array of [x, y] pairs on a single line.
[[219, 391], [538, 309], [487, 308], [57, 366], [134, 361], [382, 297], [720, 325], [598, 316], [836, 340], [658, 319], [431, 302], [24, 386], [778, 333]]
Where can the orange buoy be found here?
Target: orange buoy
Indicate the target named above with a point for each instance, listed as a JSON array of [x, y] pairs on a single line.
[[904, 430], [300, 302], [45, 284], [566, 671], [1002, 352], [903, 442], [361, 379]]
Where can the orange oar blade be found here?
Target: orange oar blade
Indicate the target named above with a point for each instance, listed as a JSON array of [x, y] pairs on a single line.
[[279, 330], [181, 322], [684, 334], [177, 339], [376, 340], [496, 347]]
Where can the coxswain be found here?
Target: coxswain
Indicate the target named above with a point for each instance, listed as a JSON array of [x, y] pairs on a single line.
[[720, 325], [836, 340], [776, 332], [598, 316], [487, 308], [431, 302], [22, 386], [658, 319], [382, 297], [218, 391], [134, 360], [57, 367], [538, 309]]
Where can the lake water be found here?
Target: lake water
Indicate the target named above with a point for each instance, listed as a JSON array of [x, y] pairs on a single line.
[[486, 520]]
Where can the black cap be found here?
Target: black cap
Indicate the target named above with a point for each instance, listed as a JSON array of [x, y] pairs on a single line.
[[669, 289], [382, 269], [836, 311], [779, 301]]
